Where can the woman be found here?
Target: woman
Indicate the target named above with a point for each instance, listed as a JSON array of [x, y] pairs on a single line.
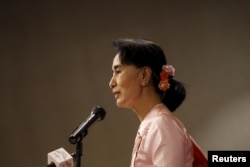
[[143, 82]]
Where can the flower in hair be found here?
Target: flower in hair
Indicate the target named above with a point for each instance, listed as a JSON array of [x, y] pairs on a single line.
[[167, 70]]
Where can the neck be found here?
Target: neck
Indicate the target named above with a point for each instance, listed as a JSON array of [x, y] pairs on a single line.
[[146, 104]]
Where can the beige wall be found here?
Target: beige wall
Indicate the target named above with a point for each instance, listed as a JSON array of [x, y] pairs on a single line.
[[55, 65]]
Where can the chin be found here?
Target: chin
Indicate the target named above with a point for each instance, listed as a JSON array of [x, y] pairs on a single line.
[[121, 104]]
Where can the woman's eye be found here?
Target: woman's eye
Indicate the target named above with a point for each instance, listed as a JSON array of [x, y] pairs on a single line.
[[117, 71]]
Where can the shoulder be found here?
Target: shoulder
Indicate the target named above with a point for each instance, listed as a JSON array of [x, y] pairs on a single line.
[[162, 121]]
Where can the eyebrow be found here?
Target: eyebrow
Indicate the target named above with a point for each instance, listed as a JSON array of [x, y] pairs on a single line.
[[117, 66]]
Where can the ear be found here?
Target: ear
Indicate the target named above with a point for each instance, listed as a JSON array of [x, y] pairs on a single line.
[[145, 75]]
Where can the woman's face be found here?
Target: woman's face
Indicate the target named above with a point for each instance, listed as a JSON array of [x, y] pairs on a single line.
[[125, 83]]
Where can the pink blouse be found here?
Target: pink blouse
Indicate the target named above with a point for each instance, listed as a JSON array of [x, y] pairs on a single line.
[[162, 141]]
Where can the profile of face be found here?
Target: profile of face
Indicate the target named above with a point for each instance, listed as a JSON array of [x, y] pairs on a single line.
[[126, 83]]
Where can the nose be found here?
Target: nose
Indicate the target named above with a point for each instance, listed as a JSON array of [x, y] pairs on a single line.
[[112, 83]]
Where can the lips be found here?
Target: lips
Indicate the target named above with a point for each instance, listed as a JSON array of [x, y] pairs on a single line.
[[116, 94]]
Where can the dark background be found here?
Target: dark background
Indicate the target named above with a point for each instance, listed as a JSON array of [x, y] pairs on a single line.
[[55, 65]]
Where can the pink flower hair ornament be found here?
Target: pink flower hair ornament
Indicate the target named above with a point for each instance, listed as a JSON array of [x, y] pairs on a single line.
[[167, 70]]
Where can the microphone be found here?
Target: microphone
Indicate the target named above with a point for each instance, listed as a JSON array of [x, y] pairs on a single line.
[[60, 158], [97, 114]]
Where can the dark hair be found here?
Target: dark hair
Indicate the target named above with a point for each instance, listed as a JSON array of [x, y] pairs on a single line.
[[141, 52]]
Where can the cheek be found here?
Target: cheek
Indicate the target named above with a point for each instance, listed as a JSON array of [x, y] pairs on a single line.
[[130, 90], [128, 83]]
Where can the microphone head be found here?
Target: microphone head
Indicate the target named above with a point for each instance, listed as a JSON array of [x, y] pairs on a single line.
[[99, 112]]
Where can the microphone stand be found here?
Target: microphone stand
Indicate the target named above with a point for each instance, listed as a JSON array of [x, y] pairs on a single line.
[[78, 153]]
